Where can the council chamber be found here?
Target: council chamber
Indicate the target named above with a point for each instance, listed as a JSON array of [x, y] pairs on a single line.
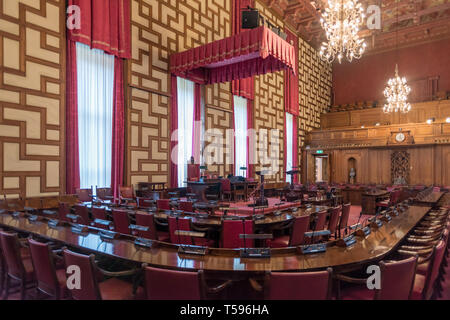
[[224, 150]]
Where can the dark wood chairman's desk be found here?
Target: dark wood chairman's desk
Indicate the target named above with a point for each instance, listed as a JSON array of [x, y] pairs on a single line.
[[376, 246]]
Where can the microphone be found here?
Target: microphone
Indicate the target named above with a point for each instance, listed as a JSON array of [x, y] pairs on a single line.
[[243, 234]]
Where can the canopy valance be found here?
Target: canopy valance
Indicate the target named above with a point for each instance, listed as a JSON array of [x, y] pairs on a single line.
[[252, 52]]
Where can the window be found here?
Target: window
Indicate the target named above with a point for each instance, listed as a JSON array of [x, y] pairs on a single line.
[[240, 127], [185, 98], [289, 142], [95, 77]]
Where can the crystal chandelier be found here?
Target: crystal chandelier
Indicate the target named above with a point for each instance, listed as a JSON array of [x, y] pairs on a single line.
[[396, 94], [341, 21]]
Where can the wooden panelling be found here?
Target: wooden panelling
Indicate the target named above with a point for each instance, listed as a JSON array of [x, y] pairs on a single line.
[[428, 164], [419, 113], [32, 88]]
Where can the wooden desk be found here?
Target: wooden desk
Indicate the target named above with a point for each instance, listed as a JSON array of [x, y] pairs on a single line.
[[322, 201], [430, 200], [202, 188], [369, 200], [369, 250]]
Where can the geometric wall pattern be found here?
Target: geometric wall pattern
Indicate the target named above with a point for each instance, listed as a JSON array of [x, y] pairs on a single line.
[[158, 29], [315, 83], [269, 108], [32, 87]]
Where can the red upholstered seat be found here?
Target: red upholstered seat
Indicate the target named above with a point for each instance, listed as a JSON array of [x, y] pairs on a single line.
[[148, 220], [393, 199], [144, 202], [299, 285], [63, 211], [397, 279], [296, 238], [321, 220], [90, 288], [121, 221], [161, 284], [84, 195], [49, 280], [83, 214], [226, 188], [424, 283], [231, 229], [17, 267], [186, 206], [334, 219], [343, 221], [163, 204]]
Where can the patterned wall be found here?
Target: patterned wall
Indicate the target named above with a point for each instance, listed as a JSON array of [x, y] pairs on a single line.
[[32, 85], [160, 28], [269, 109], [315, 83]]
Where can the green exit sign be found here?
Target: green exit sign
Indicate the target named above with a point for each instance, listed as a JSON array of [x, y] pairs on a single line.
[[319, 151]]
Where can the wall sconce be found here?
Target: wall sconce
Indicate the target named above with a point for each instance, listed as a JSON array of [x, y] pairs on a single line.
[[377, 124], [447, 120], [431, 120]]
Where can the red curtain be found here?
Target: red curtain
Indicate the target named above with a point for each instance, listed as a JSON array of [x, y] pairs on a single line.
[[118, 133], [105, 25], [72, 151], [251, 144], [291, 99], [295, 146], [196, 134], [173, 128], [244, 87]]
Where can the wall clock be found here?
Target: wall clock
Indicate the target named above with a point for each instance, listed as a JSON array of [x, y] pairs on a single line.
[[400, 137]]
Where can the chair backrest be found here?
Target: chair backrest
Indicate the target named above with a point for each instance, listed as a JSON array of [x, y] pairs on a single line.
[[163, 204], [88, 289], [434, 267], [104, 193], [394, 197], [334, 219], [44, 268], [343, 222], [83, 214], [162, 284], [11, 254], [121, 221], [226, 185], [98, 213], [146, 220], [183, 224], [299, 285], [187, 206], [299, 227], [126, 192], [63, 211], [84, 195], [397, 279], [231, 231], [321, 218], [143, 202]]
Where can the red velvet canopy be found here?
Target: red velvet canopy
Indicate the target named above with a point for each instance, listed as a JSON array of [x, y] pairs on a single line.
[[252, 52]]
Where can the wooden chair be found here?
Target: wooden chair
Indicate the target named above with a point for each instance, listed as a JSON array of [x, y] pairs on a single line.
[[126, 196], [343, 221], [226, 189], [50, 280], [18, 264], [163, 284], [85, 195], [397, 280], [297, 234], [146, 219], [298, 285], [121, 221], [91, 288], [104, 194], [231, 231], [334, 220]]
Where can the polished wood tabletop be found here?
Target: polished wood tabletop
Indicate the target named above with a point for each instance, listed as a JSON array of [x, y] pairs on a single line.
[[374, 247], [431, 199]]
